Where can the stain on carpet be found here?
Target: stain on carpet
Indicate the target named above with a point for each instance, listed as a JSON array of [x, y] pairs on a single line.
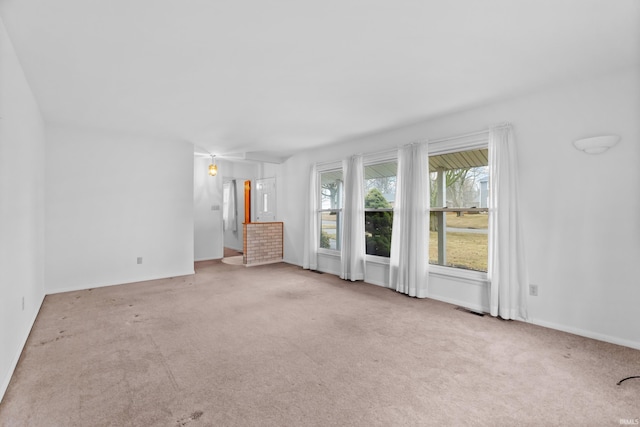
[[58, 338], [186, 420]]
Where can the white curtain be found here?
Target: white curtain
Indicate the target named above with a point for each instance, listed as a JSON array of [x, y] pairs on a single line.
[[507, 269], [352, 252], [410, 234], [311, 238], [230, 206]]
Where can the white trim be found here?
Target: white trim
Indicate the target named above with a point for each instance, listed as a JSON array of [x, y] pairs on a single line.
[[380, 157], [377, 259], [459, 303], [102, 285], [330, 252], [14, 362], [470, 276], [210, 259], [256, 264], [457, 146], [329, 166], [470, 141], [469, 135], [584, 333]]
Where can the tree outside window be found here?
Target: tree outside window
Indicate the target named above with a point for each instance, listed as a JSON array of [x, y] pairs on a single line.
[[380, 185], [330, 212]]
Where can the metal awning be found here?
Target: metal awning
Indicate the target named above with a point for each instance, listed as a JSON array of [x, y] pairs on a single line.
[[459, 160]]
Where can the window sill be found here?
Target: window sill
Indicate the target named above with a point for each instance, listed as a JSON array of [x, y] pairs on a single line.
[[329, 252], [374, 259], [470, 276]]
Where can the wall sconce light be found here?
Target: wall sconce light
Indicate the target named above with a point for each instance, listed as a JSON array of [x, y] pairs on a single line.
[[596, 144], [213, 168]]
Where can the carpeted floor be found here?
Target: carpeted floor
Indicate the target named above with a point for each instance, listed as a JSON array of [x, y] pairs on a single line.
[[279, 346]]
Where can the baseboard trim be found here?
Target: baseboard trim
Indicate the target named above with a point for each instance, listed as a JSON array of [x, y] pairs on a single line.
[[459, 303], [256, 264], [587, 334], [102, 285], [14, 363]]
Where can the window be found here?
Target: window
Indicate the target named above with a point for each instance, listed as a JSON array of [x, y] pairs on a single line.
[[380, 195], [459, 219], [330, 212]]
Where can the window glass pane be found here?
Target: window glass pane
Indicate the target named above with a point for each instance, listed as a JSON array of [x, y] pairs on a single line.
[[377, 227], [466, 241], [380, 194], [329, 230], [380, 185], [331, 190], [460, 179], [331, 187]]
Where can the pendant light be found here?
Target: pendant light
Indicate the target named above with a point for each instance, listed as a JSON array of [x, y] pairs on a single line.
[[213, 168]]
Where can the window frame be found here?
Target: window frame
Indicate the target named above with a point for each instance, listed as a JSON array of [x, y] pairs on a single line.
[[477, 141], [329, 167], [372, 160]]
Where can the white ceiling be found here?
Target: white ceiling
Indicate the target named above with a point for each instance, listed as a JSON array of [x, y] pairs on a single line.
[[278, 76]]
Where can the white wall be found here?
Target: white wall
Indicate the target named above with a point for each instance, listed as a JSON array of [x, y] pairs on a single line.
[[113, 198], [207, 222], [580, 211], [209, 236], [22, 152]]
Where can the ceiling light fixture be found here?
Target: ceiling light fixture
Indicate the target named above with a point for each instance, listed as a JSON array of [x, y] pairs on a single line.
[[213, 168], [596, 144]]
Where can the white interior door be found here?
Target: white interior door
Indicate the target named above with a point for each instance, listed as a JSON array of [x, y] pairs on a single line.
[[265, 199]]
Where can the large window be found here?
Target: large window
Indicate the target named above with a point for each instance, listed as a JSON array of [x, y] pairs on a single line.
[[459, 219], [380, 195], [330, 212]]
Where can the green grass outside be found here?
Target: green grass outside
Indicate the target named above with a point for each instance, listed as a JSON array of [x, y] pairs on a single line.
[[467, 220], [464, 250]]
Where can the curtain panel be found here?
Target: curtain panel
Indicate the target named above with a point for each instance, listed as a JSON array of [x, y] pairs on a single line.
[[409, 262], [311, 230], [507, 273], [352, 252], [230, 206]]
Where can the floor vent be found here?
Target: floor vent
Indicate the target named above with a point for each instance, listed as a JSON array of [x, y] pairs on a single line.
[[318, 271], [467, 310]]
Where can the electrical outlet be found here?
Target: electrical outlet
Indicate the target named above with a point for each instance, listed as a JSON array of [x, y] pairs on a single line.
[[533, 290], [139, 260]]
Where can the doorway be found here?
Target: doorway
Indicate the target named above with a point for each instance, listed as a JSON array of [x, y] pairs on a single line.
[[232, 216]]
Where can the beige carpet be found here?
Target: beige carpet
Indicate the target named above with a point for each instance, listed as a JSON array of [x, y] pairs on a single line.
[[279, 346]]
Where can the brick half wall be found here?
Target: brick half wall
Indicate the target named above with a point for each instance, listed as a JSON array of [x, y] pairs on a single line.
[[263, 242]]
